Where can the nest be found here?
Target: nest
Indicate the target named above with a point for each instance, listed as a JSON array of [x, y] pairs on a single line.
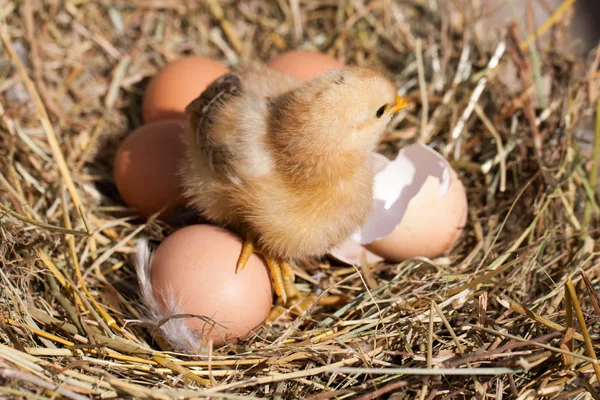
[[511, 312]]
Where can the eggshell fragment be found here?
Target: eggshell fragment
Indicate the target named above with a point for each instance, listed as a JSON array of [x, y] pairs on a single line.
[[145, 167], [420, 207], [353, 253], [304, 65], [193, 271], [177, 84]]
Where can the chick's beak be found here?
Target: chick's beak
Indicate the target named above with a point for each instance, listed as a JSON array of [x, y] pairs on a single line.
[[401, 103]]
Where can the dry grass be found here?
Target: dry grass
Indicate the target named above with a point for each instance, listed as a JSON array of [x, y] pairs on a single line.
[[512, 312]]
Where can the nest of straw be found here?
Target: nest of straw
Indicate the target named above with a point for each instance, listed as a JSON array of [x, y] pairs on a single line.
[[511, 312]]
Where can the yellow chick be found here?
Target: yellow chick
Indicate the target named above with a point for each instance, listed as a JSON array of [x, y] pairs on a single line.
[[288, 164]]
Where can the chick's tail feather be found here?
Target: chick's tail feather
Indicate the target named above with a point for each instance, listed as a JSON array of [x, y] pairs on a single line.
[[175, 330]]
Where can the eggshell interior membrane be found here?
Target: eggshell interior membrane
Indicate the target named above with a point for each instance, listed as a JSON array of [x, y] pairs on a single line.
[[177, 85], [145, 168], [303, 64], [194, 272], [353, 253]]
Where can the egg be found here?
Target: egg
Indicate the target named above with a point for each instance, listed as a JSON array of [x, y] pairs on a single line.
[[193, 271], [145, 167], [420, 209], [177, 84], [304, 65]]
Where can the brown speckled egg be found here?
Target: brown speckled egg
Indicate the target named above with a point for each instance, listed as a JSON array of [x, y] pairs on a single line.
[[145, 167], [304, 65], [195, 267], [177, 84]]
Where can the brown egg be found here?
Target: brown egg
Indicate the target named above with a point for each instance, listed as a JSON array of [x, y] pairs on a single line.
[[304, 65], [145, 167], [431, 224], [196, 265], [177, 84]]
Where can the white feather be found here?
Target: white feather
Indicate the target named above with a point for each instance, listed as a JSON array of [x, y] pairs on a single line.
[[175, 331]]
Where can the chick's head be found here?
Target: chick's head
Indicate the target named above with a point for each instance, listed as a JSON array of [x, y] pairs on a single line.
[[361, 102], [350, 107]]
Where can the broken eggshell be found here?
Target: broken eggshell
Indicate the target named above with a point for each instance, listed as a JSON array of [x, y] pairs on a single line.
[[351, 252], [420, 209]]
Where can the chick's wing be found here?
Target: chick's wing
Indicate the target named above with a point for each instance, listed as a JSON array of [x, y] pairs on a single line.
[[229, 121], [204, 112]]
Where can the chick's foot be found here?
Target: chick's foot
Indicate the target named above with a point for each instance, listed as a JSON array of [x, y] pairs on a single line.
[[297, 307], [281, 272]]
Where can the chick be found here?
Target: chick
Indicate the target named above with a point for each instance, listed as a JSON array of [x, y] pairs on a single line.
[[287, 163]]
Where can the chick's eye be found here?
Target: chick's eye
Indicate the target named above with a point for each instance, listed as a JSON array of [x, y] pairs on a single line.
[[381, 111]]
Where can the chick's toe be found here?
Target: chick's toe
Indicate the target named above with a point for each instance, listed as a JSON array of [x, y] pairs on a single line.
[[281, 272], [289, 279], [297, 307], [247, 250], [277, 276]]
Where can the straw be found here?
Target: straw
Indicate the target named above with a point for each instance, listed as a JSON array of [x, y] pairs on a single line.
[[510, 312]]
